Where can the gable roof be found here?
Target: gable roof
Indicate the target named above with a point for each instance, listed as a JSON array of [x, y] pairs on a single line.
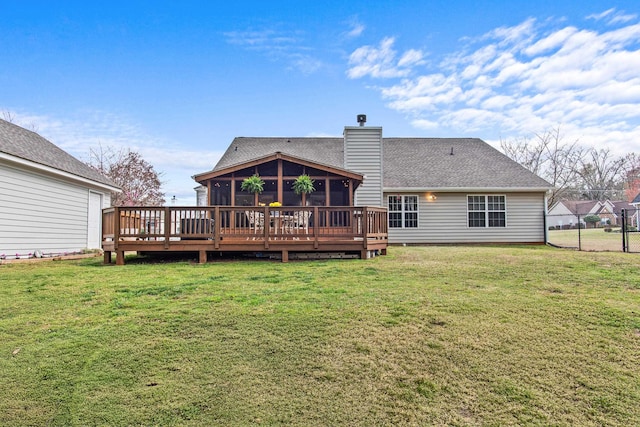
[[324, 151], [274, 156], [580, 207], [409, 163], [27, 145], [453, 163], [583, 207], [636, 199], [618, 205]]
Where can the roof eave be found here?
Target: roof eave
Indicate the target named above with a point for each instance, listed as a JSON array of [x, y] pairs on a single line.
[[468, 189], [205, 176]]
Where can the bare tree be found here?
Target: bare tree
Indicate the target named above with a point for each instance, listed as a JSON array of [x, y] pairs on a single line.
[[10, 117], [632, 177], [548, 156], [139, 182], [602, 175]]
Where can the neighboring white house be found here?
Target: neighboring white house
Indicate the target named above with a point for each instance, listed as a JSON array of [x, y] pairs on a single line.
[[565, 213], [50, 202], [437, 190], [635, 204]]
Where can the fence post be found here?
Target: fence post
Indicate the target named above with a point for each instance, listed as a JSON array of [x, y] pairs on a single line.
[[579, 233], [624, 230]]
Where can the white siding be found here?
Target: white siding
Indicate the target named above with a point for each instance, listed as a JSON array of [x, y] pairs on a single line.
[[94, 220], [40, 212], [561, 215], [363, 154], [445, 221]]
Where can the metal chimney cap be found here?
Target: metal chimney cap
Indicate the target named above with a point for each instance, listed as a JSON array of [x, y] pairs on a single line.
[[362, 119]]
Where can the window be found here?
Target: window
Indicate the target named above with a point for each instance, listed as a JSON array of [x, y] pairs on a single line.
[[486, 211], [403, 211]]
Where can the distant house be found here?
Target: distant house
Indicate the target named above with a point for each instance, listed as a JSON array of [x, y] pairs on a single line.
[[565, 213], [635, 209], [436, 190], [50, 202]]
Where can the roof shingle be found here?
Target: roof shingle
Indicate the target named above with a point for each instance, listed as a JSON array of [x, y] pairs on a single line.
[[28, 145], [435, 163]]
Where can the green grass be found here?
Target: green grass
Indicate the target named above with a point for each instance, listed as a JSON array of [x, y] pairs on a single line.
[[592, 239], [424, 336]]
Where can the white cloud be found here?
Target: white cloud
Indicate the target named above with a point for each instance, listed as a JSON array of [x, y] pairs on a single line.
[[515, 35], [356, 28], [90, 129], [411, 57], [612, 16], [381, 62], [522, 79], [550, 42], [267, 39], [287, 46], [424, 124]]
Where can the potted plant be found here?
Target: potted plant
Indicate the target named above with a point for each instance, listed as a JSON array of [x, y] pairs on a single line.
[[254, 184], [303, 185]]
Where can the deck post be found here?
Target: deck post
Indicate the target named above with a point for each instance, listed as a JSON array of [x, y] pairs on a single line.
[[316, 226], [116, 224], [216, 227], [167, 227], [365, 226], [107, 257], [202, 257], [119, 257], [266, 227], [285, 256]]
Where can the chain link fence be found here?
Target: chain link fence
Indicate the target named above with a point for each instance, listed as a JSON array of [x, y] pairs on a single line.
[[612, 232], [631, 234]]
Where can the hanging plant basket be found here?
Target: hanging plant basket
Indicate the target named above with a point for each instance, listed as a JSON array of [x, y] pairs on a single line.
[[254, 184], [303, 185]]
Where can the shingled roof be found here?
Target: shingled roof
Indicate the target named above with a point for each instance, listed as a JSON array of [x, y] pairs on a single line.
[[325, 151], [25, 144], [419, 163]]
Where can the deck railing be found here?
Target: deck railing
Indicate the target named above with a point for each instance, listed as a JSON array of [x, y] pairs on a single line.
[[254, 222]]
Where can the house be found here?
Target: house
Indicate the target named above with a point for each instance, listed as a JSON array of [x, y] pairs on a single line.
[[565, 213], [635, 203], [50, 202], [436, 190]]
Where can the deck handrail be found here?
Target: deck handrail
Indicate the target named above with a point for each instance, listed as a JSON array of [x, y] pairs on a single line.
[[214, 223]]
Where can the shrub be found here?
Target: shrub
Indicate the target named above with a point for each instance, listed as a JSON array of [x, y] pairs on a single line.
[[592, 219]]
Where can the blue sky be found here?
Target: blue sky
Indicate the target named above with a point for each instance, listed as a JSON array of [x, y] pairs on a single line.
[[177, 81]]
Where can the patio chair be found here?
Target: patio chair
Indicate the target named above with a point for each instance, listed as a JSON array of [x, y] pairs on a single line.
[[256, 220], [301, 221]]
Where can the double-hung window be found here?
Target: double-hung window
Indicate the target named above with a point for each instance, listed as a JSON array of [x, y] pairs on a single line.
[[403, 211], [486, 211]]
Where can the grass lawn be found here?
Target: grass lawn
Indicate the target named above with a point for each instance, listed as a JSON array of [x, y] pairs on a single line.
[[423, 336], [591, 239]]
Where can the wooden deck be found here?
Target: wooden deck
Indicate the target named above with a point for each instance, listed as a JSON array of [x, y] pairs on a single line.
[[221, 229]]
